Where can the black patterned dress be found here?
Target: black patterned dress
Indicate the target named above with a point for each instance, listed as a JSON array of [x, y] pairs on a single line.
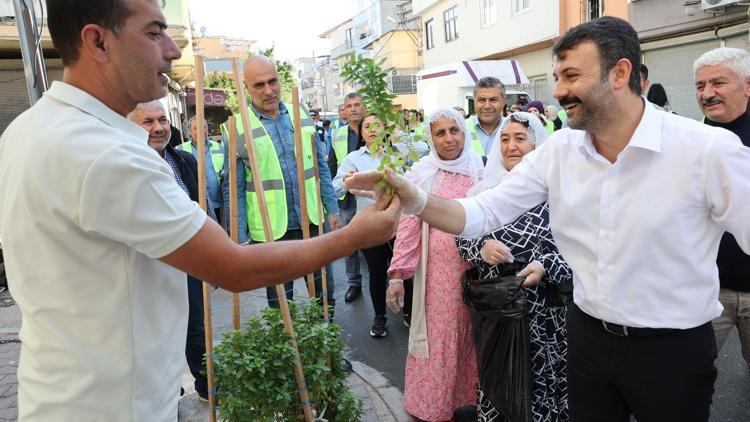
[[529, 239]]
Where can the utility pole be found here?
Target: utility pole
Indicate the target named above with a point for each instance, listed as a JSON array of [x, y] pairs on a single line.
[[30, 37]]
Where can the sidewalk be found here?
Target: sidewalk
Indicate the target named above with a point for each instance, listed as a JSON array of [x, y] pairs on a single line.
[[382, 402], [10, 323]]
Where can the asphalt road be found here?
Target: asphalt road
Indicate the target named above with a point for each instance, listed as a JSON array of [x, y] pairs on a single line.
[[388, 354]]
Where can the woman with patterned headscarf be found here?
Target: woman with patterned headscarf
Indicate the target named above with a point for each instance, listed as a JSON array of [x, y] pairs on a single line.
[[528, 239], [441, 369]]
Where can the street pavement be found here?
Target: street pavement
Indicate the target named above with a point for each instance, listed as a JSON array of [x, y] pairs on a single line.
[[378, 363]]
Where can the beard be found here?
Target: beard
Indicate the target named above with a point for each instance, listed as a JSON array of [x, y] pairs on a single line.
[[596, 108]]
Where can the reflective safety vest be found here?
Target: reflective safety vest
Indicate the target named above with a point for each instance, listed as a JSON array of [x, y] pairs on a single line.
[[418, 134], [549, 126], [340, 145], [272, 176], [476, 145], [217, 154]]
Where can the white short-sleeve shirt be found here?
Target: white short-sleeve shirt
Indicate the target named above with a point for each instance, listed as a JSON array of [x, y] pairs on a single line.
[[87, 208], [640, 234]]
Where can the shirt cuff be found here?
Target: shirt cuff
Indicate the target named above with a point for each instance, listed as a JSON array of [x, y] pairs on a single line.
[[474, 225]]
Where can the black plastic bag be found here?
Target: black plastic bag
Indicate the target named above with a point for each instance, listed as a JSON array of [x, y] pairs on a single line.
[[501, 337]]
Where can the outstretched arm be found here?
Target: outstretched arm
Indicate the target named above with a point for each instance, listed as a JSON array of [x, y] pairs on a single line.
[[211, 256]]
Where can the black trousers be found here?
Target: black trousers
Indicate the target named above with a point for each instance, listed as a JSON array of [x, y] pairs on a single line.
[[660, 378], [378, 259], [273, 299], [195, 347]]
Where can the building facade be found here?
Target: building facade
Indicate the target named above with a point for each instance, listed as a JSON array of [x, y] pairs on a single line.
[[382, 30], [13, 92], [674, 33], [524, 30]]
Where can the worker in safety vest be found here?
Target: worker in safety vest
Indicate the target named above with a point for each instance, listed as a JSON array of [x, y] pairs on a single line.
[[214, 163], [345, 140], [341, 121], [272, 126], [489, 101]]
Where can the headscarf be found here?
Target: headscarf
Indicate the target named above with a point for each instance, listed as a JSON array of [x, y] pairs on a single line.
[[468, 163], [495, 168]]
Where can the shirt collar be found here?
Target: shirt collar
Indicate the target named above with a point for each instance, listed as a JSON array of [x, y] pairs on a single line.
[[87, 103], [646, 135], [479, 127], [282, 110]]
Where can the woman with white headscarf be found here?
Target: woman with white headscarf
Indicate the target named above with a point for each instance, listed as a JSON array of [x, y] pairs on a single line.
[[441, 368], [528, 239]]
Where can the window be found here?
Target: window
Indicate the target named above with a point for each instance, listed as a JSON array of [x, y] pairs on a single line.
[[489, 12], [450, 17], [429, 34], [349, 40], [520, 6], [595, 9]]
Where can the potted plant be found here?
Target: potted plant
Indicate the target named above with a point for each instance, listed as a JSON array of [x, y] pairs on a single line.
[[254, 369]]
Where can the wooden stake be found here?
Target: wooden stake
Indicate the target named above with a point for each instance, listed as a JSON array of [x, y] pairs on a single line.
[[233, 221], [201, 142], [304, 220], [259, 191], [323, 273]]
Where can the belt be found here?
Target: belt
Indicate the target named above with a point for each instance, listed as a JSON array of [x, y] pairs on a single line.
[[625, 331]]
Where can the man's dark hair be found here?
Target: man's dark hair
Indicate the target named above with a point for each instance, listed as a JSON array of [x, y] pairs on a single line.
[[614, 38], [644, 71], [490, 82], [66, 19], [657, 95]]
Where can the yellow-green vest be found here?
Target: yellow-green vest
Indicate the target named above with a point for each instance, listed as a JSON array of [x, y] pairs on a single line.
[[273, 179], [476, 145], [217, 154], [340, 145], [549, 126], [418, 134]]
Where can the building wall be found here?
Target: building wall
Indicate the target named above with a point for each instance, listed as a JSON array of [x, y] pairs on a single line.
[[535, 25], [398, 50], [662, 18], [13, 93]]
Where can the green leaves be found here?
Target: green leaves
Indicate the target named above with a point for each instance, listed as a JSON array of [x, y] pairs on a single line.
[[254, 369], [372, 79]]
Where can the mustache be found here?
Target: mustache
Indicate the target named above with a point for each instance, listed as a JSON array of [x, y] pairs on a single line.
[[712, 100], [564, 101]]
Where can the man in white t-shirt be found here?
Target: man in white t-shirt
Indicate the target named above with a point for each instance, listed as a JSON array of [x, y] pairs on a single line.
[[97, 233]]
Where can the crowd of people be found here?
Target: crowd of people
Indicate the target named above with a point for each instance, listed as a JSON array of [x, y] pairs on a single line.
[[611, 210]]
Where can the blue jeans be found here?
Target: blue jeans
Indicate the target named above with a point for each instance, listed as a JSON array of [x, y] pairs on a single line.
[[353, 273], [273, 299]]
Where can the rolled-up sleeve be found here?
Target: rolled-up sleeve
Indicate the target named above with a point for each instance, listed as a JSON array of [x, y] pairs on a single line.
[[520, 190]]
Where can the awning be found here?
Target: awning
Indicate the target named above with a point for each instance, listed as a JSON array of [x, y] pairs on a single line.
[[470, 71]]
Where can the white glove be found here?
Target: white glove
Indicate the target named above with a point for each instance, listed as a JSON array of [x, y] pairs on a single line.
[[413, 198]]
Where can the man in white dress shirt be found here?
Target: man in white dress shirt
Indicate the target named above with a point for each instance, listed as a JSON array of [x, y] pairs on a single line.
[[99, 235], [638, 202]]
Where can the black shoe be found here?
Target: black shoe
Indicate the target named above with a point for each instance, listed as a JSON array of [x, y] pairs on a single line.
[[352, 293], [346, 365], [465, 414], [378, 326]]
